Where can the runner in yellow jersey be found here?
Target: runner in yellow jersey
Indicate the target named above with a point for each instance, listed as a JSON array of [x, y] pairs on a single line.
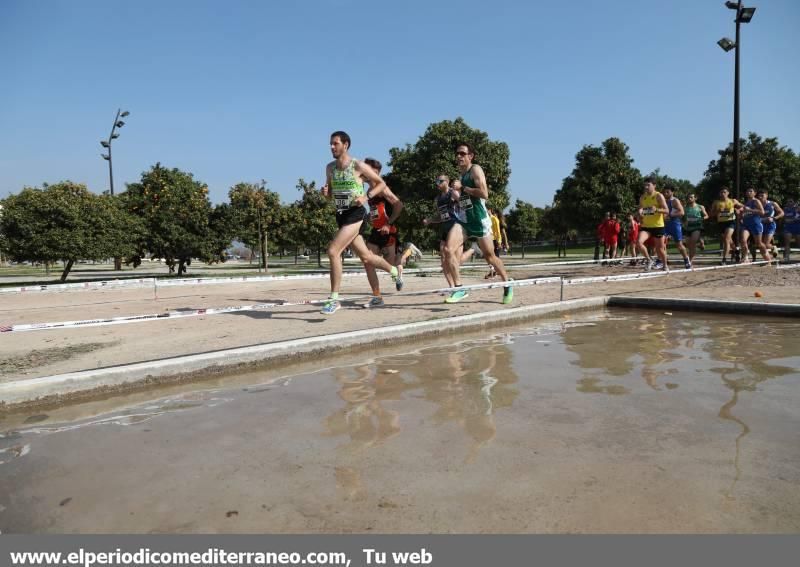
[[724, 212], [652, 208], [345, 178]]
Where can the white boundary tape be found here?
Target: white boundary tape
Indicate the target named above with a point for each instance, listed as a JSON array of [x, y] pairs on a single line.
[[237, 308], [645, 275]]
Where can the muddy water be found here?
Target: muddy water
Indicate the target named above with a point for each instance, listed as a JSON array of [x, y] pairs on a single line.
[[616, 422]]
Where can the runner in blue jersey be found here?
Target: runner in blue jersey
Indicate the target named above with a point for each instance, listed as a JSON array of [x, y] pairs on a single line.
[[791, 226], [450, 216], [673, 227], [751, 212], [772, 214]]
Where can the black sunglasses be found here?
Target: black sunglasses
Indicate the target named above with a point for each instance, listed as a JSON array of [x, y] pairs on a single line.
[[461, 153]]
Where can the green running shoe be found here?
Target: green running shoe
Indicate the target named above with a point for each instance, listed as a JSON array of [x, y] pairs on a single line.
[[457, 296], [508, 294]]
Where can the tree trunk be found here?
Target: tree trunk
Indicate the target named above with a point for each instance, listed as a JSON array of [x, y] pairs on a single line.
[[296, 252], [117, 263], [181, 267], [264, 251], [67, 268], [319, 256]]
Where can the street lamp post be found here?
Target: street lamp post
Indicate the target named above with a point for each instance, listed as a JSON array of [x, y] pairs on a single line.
[[107, 144], [743, 16]]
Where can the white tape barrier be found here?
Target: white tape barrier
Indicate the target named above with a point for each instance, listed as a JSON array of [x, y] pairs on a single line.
[[656, 274], [141, 282], [254, 307]]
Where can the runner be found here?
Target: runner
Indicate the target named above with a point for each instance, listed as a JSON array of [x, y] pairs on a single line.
[[652, 208], [410, 250], [695, 215], [384, 209], [791, 226], [497, 240], [724, 211], [345, 178], [673, 227], [631, 249], [474, 193], [752, 211], [451, 231], [772, 213]]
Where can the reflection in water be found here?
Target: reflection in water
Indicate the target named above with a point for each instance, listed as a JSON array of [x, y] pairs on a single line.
[[664, 344], [746, 349], [467, 382]]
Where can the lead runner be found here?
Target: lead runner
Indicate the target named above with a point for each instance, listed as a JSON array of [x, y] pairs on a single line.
[[345, 178]]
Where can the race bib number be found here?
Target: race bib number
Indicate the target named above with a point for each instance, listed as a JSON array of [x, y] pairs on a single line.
[[649, 210], [444, 214], [465, 202], [726, 216], [342, 200]]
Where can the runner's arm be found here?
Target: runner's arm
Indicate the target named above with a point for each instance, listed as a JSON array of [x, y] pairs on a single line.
[[326, 189], [677, 206], [703, 210], [778, 211], [395, 202], [662, 205]]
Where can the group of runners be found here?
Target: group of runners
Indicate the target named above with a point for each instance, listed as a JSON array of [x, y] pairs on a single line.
[[461, 216], [663, 217]]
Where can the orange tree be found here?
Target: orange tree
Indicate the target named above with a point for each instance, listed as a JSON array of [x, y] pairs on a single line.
[[175, 211]]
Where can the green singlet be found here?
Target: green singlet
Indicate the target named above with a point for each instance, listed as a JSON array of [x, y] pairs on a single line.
[[478, 223]]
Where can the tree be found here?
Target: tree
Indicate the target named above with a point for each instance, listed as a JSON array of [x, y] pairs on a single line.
[[175, 210], [604, 179], [66, 222], [222, 227], [764, 164], [314, 218], [414, 169], [258, 214], [523, 222], [681, 187]]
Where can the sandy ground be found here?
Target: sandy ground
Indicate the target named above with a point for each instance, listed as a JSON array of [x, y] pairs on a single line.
[[48, 352]]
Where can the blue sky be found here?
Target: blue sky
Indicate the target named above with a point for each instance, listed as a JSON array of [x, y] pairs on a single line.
[[244, 90]]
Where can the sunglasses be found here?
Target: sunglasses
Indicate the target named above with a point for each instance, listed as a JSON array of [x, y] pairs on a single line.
[[462, 154], [441, 180]]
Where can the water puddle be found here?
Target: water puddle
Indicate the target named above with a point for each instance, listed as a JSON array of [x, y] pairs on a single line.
[[611, 422]]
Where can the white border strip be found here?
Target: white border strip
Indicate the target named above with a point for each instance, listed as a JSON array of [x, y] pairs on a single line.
[[238, 308]]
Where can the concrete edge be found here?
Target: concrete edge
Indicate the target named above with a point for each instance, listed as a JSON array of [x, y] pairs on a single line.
[[707, 305], [58, 388]]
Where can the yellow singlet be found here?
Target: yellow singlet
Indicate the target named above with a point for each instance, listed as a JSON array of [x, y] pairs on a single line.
[[650, 218], [725, 210]]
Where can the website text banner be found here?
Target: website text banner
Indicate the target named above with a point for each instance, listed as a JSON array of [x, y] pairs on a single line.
[[400, 550]]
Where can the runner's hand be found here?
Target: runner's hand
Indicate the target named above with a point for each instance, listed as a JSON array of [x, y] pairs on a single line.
[[360, 200], [324, 190], [385, 229]]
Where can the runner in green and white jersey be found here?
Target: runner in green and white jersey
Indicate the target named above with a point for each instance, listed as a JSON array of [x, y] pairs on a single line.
[[345, 178], [478, 225]]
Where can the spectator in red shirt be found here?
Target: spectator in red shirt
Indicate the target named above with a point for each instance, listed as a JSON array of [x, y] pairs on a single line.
[[611, 235]]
